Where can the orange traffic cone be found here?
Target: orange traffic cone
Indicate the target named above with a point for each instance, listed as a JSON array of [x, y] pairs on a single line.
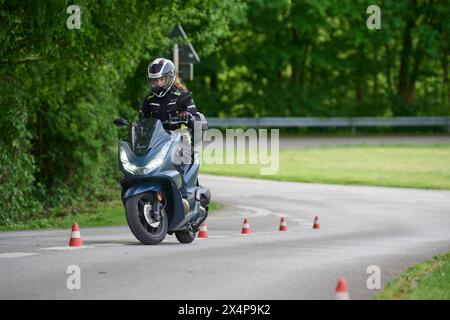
[[75, 237], [246, 227], [283, 225], [341, 290], [316, 223], [203, 233]]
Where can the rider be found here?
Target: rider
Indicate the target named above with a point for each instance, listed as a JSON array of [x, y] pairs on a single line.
[[165, 90]]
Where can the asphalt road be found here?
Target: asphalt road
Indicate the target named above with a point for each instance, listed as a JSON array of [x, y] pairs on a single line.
[[360, 227]]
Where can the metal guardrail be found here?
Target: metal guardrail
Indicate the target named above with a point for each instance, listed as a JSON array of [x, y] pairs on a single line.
[[353, 122]]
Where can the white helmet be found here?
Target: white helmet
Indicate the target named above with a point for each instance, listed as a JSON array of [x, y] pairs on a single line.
[[161, 76]]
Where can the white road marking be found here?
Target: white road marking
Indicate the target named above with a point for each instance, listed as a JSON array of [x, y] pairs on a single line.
[[260, 212], [17, 254], [310, 198], [300, 221], [223, 194], [303, 222], [215, 237], [254, 212], [65, 248], [265, 232]]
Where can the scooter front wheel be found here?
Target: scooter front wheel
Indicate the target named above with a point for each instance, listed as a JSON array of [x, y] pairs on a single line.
[[139, 225]]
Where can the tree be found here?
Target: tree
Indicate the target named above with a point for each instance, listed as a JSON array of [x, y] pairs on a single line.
[[61, 89]]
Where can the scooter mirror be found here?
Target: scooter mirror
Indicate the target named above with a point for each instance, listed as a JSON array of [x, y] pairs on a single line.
[[119, 122]]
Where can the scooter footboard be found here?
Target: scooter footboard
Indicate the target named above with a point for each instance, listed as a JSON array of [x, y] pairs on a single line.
[[203, 198], [202, 215]]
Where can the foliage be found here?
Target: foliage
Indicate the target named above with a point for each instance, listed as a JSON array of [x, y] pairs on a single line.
[[318, 58], [61, 88]]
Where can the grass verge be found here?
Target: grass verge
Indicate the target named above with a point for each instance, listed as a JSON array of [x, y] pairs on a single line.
[[429, 280], [411, 166], [109, 213]]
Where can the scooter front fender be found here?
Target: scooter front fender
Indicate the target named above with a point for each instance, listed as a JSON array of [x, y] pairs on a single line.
[[166, 181], [135, 189]]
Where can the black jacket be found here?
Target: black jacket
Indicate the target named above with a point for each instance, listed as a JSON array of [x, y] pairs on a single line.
[[160, 108]]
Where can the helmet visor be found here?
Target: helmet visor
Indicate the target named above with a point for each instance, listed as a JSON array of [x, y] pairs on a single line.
[[161, 83]]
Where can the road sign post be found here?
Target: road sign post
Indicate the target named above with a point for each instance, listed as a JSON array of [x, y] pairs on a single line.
[[176, 57], [184, 55]]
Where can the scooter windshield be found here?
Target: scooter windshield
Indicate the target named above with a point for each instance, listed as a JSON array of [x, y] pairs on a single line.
[[145, 133]]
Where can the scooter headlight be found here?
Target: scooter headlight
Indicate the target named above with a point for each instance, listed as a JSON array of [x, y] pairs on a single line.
[[149, 167], [127, 165]]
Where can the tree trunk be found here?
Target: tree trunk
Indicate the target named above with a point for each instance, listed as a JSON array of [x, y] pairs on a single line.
[[403, 83], [360, 77], [213, 84], [445, 82], [375, 74], [295, 71], [414, 75], [312, 73], [388, 65]]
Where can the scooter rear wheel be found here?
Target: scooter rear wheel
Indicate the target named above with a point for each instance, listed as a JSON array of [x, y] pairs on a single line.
[[134, 211], [185, 236]]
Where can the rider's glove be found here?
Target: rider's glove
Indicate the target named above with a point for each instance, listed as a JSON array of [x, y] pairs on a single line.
[[185, 116]]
